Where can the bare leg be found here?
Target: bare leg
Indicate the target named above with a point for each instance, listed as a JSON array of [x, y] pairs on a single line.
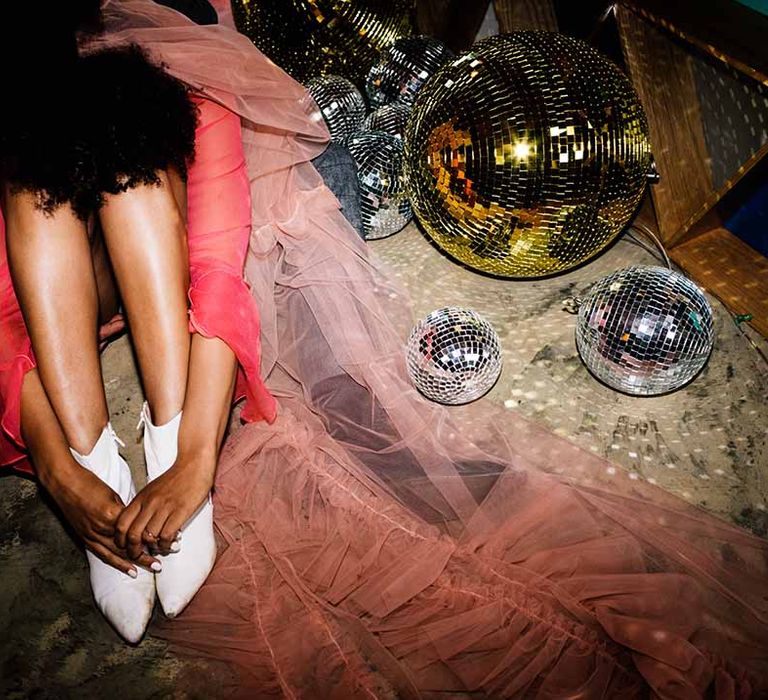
[[50, 263], [106, 286], [145, 233], [52, 272], [146, 238]]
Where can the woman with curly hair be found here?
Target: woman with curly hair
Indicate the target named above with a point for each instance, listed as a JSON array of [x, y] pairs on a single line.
[[371, 544], [134, 194]]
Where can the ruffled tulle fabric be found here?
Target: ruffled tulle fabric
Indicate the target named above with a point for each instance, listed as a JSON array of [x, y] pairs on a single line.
[[376, 545]]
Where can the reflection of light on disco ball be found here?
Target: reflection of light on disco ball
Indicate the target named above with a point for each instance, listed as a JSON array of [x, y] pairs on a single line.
[[526, 155], [391, 119], [340, 103], [384, 208], [645, 330], [403, 68], [320, 37], [454, 356]]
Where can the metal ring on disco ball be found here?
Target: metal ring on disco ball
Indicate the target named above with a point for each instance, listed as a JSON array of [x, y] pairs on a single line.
[[403, 68], [321, 37], [341, 104], [453, 356], [645, 330], [391, 119], [526, 155], [384, 208]]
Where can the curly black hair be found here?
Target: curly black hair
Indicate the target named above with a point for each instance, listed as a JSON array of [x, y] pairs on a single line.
[[107, 124]]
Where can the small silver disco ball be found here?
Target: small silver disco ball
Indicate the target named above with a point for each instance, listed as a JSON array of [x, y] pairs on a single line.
[[453, 356], [384, 208], [645, 330], [403, 68], [391, 119], [340, 103]]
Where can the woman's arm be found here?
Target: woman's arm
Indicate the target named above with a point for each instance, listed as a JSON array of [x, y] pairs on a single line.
[[87, 503], [208, 403], [166, 503]]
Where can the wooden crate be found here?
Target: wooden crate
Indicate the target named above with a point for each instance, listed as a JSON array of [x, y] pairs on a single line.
[[701, 70]]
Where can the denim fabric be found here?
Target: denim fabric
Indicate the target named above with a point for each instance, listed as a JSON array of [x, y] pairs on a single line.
[[337, 167]]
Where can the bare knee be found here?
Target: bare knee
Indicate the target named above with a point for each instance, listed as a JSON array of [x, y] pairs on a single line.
[[25, 219], [145, 201], [148, 218]]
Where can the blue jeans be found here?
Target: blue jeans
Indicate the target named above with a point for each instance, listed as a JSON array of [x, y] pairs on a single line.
[[337, 167]]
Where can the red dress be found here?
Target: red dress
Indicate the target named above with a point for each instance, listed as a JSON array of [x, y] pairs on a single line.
[[219, 224]]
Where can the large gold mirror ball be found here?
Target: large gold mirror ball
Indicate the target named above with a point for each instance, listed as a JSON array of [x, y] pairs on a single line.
[[526, 155], [310, 38]]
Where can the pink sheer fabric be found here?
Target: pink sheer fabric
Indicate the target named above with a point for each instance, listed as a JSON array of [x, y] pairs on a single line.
[[16, 359], [375, 545], [218, 229], [218, 237]]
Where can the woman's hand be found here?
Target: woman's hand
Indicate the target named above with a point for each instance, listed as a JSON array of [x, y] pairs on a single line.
[[92, 509], [158, 512]]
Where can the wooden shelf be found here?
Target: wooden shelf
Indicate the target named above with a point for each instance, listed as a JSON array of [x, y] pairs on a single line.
[[729, 31], [703, 133], [729, 269]]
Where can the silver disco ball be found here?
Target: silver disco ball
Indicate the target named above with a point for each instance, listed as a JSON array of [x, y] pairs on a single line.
[[340, 103], [391, 119], [384, 208], [453, 356], [403, 68], [645, 330]]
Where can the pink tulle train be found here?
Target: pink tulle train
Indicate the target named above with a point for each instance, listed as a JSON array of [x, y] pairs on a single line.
[[375, 545]]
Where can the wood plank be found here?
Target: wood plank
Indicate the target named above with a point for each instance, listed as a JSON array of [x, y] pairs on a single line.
[[454, 22], [727, 30], [730, 270], [516, 15], [661, 73]]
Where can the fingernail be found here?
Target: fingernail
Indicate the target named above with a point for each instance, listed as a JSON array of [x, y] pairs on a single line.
[[175, 546], [132, 573], [178, 536], [156, 566]]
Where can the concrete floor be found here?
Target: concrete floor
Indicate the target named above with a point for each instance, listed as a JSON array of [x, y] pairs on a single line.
[[707, 443]]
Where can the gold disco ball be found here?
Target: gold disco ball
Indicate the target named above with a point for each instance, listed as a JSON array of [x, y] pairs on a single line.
[[526, 155], [309, 38]]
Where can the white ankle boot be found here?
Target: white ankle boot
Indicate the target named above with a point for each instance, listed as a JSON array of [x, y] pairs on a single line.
[[185, 570], [126, 602]]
